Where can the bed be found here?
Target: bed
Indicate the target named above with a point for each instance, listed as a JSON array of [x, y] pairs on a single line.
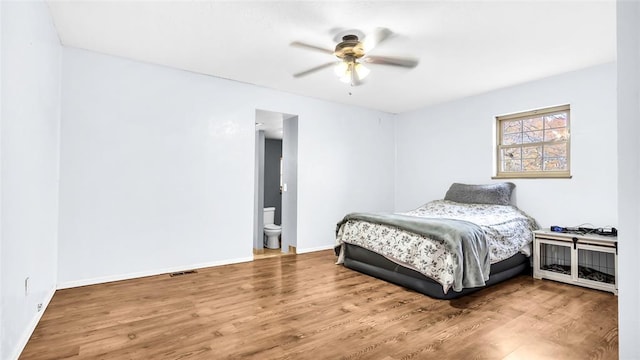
[[446, 248]]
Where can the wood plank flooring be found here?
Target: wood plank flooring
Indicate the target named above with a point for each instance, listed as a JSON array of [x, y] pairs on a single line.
[[305, 307]]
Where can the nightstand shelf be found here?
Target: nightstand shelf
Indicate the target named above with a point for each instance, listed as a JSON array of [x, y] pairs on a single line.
[[584, 260]]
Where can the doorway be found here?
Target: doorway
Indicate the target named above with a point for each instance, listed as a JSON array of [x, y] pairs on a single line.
[[275, 189]]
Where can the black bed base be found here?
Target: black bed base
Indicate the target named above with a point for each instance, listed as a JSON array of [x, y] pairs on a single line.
[[370, 263]]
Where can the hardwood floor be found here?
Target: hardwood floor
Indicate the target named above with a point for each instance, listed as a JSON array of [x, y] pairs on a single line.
[[305, 307]]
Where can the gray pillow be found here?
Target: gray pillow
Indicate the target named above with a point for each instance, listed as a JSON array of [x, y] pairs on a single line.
[[498, 194]]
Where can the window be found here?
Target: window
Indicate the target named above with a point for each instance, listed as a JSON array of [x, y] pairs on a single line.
[[534, 144]]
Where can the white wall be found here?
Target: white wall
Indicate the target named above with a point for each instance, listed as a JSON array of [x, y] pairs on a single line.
[[1, 100], [258, 196], [157, 167], [454, 142], [30, 140], [628, 27], [290, 182]]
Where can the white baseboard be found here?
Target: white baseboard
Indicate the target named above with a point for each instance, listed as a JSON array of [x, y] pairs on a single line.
[[26, 335], [313, 249], [111, 278]]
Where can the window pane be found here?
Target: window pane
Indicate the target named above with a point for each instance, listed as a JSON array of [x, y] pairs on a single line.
[[532, 136], [532, 158], [555, 164], [532, 152], [556, 150], [532, 124], [559, 134], [532, 164], [512, 153], [509, 127], [511, 166], [510, 139], [556, 120]]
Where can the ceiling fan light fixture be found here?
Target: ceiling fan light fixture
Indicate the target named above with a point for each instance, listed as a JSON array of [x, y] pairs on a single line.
[[362, 71], [351, 72], [342, 68], [346, 78]]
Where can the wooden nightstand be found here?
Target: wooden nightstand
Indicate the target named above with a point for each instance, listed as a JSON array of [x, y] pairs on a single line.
[[584, 260]]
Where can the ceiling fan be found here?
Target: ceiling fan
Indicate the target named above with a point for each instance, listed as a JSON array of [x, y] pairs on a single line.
[[352, 53]]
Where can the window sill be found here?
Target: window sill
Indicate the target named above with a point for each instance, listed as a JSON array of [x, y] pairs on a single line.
[[532, 176]]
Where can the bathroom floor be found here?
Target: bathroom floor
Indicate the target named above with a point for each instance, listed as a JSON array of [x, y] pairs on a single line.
[[269, 253]]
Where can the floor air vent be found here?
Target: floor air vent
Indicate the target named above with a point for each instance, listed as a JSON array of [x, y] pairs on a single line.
[[179, 273]]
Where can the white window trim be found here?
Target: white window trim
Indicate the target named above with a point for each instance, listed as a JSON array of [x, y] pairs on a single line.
[[532, 174]]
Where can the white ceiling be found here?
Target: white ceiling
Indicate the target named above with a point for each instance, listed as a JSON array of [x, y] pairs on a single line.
[[464, 47]]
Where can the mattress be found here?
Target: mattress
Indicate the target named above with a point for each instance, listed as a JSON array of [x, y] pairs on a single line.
[[508, 232], [373, 264]]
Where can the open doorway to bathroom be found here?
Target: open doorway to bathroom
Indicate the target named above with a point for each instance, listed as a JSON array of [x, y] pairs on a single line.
[[275, 199]]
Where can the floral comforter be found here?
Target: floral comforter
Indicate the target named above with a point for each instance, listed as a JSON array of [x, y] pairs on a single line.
[[508, 230]]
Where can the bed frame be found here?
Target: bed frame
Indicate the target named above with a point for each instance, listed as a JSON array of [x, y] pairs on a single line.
[[370, 263]]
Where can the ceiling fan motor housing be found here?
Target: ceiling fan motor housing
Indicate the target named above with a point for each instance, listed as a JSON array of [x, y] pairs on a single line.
[[349, 49]]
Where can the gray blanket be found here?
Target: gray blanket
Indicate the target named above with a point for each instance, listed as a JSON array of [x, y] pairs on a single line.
[[465, 239]]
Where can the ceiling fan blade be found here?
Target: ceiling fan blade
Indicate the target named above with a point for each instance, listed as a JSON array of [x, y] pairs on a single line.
[[314, 69], [394, 61], [374, 39], [311, 47]]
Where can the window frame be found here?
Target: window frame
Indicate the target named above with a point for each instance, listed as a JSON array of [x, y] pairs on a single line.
[[527, 115]]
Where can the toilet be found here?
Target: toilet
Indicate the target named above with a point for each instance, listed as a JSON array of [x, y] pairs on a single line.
[[271, 230]]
